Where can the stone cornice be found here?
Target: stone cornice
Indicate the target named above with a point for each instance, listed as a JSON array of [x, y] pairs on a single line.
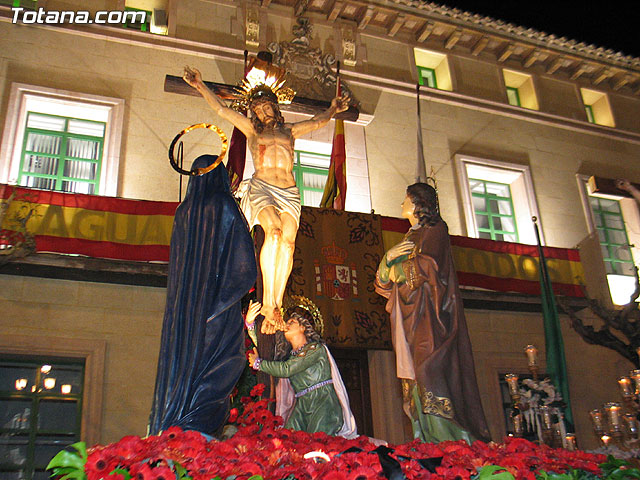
[[491, 25]]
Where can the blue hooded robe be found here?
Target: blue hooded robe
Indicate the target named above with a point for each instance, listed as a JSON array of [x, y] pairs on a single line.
[[211, 267]]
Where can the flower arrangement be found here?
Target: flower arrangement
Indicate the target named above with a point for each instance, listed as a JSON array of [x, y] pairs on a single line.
[[534, 396], [261, 449]]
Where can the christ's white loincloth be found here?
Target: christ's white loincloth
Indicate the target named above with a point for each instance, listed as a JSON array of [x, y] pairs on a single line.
[[256, 194]]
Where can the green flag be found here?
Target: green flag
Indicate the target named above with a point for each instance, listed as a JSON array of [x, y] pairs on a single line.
[[554, 346]]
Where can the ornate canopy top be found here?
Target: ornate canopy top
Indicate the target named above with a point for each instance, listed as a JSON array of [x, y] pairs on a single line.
[[262, 81]]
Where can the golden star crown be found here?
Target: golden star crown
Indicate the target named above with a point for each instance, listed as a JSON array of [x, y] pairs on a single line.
[[308, 305], [263, 80]]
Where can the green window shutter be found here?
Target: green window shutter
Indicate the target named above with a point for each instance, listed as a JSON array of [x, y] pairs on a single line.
[[62, 154], [589, 111], [40, 413], [493, 209], [427, 77], [142, 26], [26, 4], [614, 242], [311, 171], [513, 96]]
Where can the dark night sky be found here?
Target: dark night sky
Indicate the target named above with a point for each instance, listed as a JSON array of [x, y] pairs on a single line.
[[603, 24]]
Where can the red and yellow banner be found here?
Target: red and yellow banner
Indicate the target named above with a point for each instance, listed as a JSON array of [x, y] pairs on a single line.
[[502, 266], [140, 230], [94, 226]]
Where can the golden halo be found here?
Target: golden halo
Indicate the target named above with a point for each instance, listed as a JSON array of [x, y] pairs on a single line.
[[305, 303], [199, 171]]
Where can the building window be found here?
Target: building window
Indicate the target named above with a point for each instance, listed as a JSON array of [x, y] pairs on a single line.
[[26, 4], [588, 109], [612, 234], [614, 227], [498, 199], [513, 96], [62, 141], [520, 90], [62, 154], [597, 108], [155, 19], [493, 209], [40, 412], [433, 69], [140, 22], [311, 171], [427, 77]]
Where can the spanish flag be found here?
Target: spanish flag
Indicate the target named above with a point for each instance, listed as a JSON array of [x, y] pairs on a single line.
[[335, 190]]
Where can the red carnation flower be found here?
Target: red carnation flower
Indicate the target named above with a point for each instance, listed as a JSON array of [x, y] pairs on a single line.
[[162, 473], [258, 390], [363, 473], [454, 472], [264, 417], [99, 464], [116, 476], [140, 471], [171, 433], [233, 415], [249, 468], [334, 475]]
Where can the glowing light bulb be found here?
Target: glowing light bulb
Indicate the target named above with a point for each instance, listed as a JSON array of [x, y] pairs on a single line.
[[65, 389], [21, 383], [49, 383]]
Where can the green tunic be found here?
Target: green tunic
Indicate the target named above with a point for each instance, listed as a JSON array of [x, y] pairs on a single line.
[[318, 410]]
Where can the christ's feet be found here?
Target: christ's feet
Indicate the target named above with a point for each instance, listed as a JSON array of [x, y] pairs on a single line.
[[272, 320]]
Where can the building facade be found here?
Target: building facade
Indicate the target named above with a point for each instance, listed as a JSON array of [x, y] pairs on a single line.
[[514, 122]]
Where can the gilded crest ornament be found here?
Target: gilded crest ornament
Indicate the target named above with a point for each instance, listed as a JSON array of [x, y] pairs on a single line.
[[308, 69]]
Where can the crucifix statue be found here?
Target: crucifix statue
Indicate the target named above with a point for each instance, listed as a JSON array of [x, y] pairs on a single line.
[[270, 198]]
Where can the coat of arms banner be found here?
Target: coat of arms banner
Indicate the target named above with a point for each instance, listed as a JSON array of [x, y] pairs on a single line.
[[336, 258]]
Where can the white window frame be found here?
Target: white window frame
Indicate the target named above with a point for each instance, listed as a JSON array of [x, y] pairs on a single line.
[[600, 106], [23, 95], [439, 63], [619, 289], [518, 177], [523, 82]]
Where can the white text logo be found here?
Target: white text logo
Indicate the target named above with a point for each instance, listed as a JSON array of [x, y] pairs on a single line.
[[103, 17]]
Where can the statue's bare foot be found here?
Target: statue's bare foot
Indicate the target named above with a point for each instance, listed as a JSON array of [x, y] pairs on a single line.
[[268, 324], [278, 321]]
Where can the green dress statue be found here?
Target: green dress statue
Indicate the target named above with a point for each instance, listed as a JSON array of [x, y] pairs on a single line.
[[317, 408]]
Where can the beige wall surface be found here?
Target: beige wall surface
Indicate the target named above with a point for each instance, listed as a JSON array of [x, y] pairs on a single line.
[[127, 318], [560, 98], [477, 79]]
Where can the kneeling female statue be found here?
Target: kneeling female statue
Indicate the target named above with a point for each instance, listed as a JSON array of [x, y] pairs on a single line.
[[310, 395]]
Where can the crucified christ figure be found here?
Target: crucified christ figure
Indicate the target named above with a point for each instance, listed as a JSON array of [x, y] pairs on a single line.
[[270, 198]]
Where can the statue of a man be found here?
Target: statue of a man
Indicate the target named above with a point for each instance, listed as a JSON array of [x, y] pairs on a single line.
[[270, 198]]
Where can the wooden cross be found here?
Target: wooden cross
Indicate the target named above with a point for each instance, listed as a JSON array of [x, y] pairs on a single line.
[[174, 84]]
